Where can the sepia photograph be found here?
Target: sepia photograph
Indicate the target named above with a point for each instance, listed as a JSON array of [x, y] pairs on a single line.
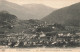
[[39, 25]]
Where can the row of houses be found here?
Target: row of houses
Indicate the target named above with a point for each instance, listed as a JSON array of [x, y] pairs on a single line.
[[48, 35]]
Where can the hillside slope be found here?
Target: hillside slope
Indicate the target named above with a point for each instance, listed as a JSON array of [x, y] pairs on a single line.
[[25, 12], [69, 15]]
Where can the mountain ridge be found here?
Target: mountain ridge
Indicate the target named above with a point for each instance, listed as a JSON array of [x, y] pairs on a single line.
[[67, 15], [20, 11], [39, 10]]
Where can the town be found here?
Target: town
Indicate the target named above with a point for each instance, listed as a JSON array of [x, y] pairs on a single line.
[[43, 35]]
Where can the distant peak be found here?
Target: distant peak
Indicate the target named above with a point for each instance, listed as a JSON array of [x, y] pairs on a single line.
[[3, 0], [36, 5], [33, 4], [76, 4]]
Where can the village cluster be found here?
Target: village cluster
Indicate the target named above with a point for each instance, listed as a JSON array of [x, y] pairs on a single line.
[[44, 36]]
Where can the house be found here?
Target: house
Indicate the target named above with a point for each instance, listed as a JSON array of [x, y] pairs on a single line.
[[78, 33]]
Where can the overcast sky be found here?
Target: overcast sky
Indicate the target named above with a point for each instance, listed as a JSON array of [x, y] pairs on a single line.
[[51, 3]]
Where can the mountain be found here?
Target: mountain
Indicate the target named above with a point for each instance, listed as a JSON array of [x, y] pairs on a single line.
[[69, 15], [39, 10], [15, 9], [20, 11]]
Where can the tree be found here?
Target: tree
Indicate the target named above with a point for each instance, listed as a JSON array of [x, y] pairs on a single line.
[[6, 19]]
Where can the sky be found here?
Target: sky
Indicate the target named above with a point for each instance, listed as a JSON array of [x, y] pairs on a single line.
[[50, 3]]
